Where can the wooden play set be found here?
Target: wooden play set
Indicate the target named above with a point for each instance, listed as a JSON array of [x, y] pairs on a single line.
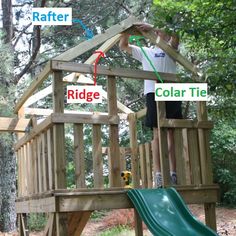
[[40, 149]]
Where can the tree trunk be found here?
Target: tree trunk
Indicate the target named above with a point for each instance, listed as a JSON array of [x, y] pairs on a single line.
[[7, 184], [7, 20], [7, 158]]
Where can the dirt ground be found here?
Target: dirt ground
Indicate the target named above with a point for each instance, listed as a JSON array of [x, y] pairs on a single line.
[[226, 223]]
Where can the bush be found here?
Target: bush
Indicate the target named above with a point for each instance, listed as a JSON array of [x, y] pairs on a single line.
[[37, 222], [223, 147]]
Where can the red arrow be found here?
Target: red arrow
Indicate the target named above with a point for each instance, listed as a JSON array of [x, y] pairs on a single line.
[[101, 54]]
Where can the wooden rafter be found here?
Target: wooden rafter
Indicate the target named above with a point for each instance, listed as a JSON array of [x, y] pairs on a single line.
[[154, 39], [95, 41], [13, 124], [33, 86], [171, 52], [74, 53], [104, 48], [74, 76]]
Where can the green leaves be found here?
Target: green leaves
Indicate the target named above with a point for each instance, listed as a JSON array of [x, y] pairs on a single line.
[[207, 29]]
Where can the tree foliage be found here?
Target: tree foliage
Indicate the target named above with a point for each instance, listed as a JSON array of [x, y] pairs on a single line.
[[207, 29]]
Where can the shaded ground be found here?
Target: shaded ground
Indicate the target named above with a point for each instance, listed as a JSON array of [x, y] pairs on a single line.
[[226, 222]]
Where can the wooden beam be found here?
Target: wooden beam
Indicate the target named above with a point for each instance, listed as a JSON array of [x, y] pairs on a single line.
[[93, 202], [151, 35], [96, 40], [141, 113], [84, 118], [49, 224], [77, 221], [13, 124], [35, 131], [36, 205], [105, 70], [59, 118], [104, 48], [33, 86], [37, 96], [47, 112], [175, 123], [91, 199], [177, 56], [106, 201]]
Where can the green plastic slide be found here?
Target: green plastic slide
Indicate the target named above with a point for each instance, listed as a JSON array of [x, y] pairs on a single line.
[[165, 213]]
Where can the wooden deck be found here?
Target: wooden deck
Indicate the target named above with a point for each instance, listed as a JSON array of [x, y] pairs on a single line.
[[98, 199]]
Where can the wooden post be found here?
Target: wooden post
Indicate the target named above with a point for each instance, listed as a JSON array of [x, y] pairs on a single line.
[[33, 173], [135, 167], [51, 177], [163, 145], [79, 156], [25, 170], [122, 158], [39, 154], [113, 133], [23, 184], [97, 157], [203, 137], [44, 162], [134, 150], [19, 172], [206, 164], [20, 160], [20, 225], [180, 163], [59, 148], [210, 215], [143, 166], [148, 155], [138, 224], [122, 162], [194, 156], [188, 176]]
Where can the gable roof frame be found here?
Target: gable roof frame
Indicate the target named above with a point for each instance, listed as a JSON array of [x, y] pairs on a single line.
[[74, 53], [110, 37]]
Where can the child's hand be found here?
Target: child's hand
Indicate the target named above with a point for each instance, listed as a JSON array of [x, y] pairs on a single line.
[[144, 26]]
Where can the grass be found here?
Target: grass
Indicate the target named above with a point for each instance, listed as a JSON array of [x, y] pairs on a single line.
[[118, 230]]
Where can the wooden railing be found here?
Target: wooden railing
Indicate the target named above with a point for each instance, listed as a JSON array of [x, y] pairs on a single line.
[[41, 153]]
